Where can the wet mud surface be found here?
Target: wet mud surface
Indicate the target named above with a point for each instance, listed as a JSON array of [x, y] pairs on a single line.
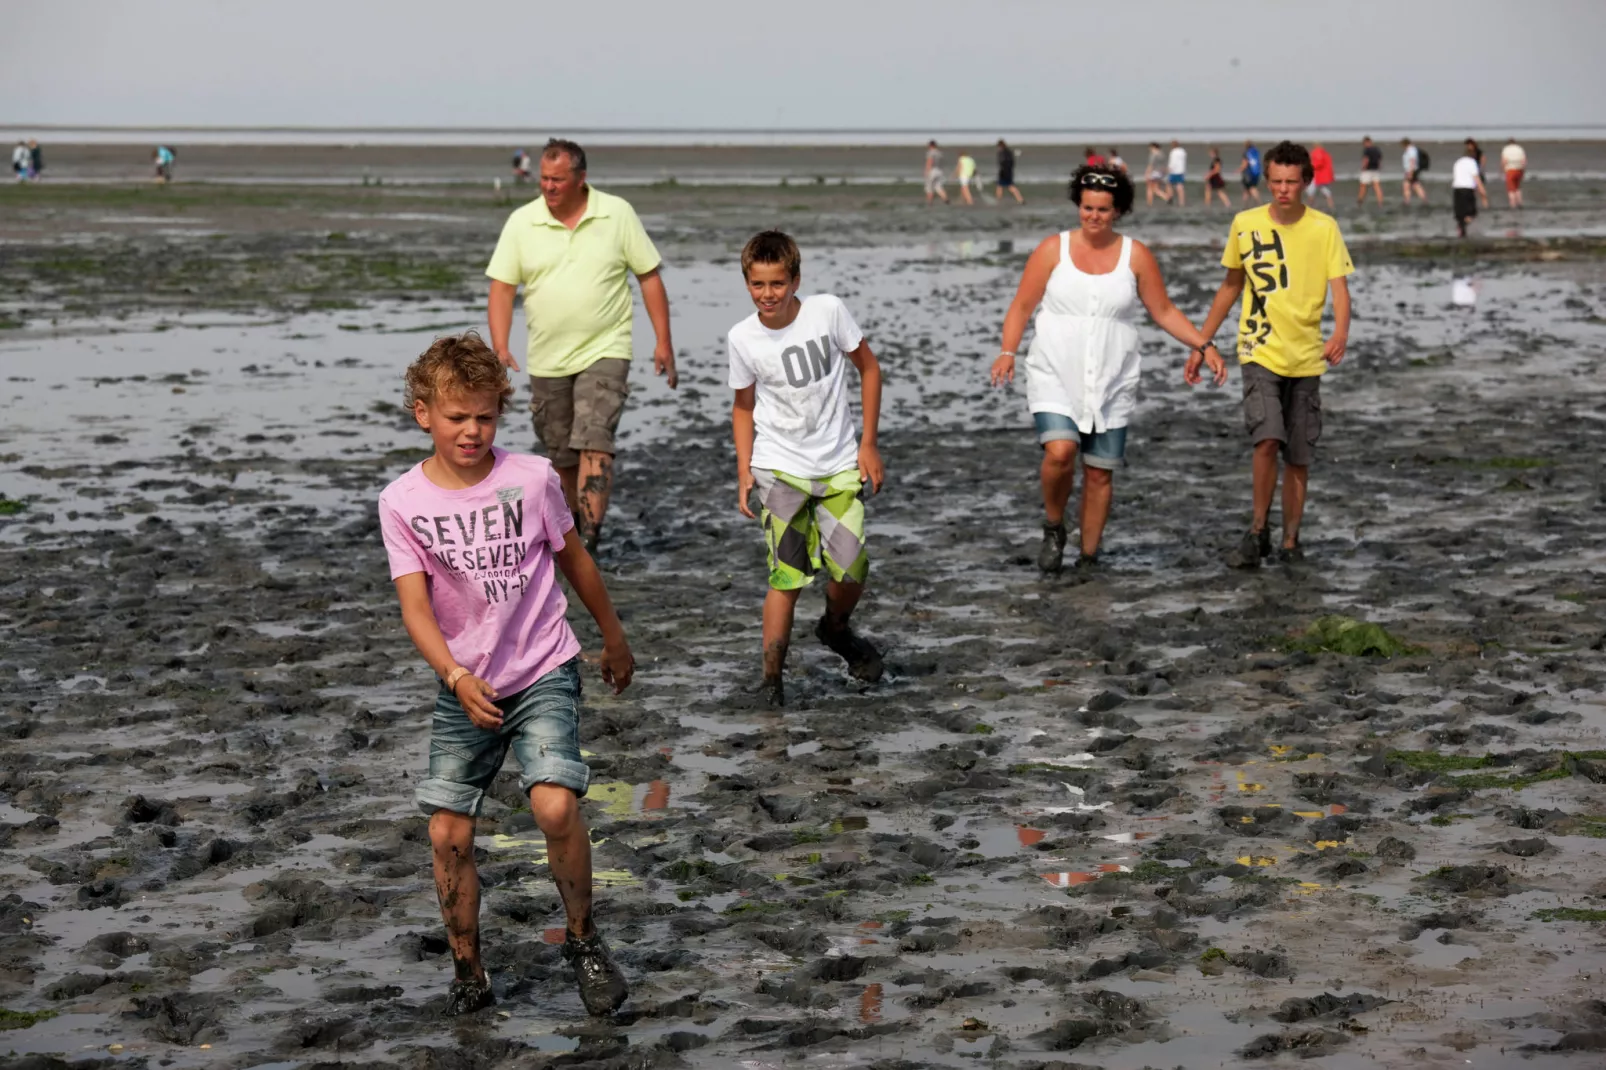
[[1143, 820]]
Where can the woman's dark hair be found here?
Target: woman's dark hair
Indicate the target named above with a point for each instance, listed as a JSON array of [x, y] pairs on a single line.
[[1102, 179], [1289, 154]]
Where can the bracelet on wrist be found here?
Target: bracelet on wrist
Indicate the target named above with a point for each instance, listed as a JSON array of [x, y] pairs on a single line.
[[454, 676], [1006, 352]]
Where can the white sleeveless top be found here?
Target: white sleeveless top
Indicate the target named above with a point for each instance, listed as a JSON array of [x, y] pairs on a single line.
[[1084, 359]]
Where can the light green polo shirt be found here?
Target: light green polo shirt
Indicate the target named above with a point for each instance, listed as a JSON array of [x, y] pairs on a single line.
[[576, 282]]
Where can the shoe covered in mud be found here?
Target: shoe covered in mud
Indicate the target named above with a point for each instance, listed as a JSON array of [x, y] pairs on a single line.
[[466, 997], [772, 693], [602, 986], [864, 660], [1051, 555], [1251, 548], [1290, 555]]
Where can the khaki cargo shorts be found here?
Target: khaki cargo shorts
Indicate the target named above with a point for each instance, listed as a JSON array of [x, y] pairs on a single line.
[[579, 412], [1286, 409]]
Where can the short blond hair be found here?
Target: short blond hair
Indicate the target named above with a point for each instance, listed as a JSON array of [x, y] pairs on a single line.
[[457, 364]]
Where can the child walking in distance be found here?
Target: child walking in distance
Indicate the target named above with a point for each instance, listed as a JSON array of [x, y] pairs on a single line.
[[473, 534], [795, 444], [1290, 255]]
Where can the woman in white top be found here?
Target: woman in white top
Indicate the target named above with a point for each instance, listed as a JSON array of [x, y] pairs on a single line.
[[1466, 185], [1082, 371]]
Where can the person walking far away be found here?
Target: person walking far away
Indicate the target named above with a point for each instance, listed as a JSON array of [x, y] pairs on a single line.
[[1006, 175], [521, 167], [573, 250], [20, 160], [1413, 161], [795, 444], [164, 158], [934, 187], [1116, 161], [1291, 256], [1091, 157], [1249, 173], [1514, 162], [1466, 187], [1082, 370], [36, 160], [486, 612], [1154, 175], [1321, 162], [1177, 173], [965, 174], [1371, 172], [1476, 152], [1215, 184]]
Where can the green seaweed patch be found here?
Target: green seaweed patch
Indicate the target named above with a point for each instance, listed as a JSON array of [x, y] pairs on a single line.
[[1350, 637], [11, 506], [10, 1019], [921, 878], [1568, 914], [981, 728], [1559, 766], [1434, 762], [1213, 953], [759, 907]]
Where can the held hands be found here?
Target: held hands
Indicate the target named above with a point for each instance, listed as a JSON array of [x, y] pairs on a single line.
[[744, 490], [618, 664], [1208, 356], [663, 363], [1333, 351], [478, 700], [1003, 369], [870, 467]]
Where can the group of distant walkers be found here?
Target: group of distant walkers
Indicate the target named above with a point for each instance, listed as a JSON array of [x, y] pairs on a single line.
[[28, 161]]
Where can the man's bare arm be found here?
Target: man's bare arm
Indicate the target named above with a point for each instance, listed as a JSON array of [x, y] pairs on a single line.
[[499, 317]]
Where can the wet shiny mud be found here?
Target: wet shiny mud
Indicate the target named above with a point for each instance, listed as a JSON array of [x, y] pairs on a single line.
[[1149, 819]]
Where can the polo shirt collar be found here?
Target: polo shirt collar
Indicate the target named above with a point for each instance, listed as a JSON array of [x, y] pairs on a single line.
[[595, 209]]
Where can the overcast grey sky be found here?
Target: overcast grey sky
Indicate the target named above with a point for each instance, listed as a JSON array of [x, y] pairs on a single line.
[[939, 64]]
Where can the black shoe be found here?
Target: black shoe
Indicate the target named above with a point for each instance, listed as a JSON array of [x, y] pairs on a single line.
[[602, 986], [466, 997], [1251, 548], [1051, 555], [1290, 555], [772, 693], [864, 660]]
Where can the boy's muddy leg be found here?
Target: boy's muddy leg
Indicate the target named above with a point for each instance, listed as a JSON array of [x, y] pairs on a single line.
[[568, 851], [595, 487], [779, 608], [1096, 493], [864, 660], [457, 883], [1265, 470], [840, 598], [1294, 482]]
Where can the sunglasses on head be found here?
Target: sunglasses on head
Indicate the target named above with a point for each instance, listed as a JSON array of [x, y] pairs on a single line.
[[1107, 181]]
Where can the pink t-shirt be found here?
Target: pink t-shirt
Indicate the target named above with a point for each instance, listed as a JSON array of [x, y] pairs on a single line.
[[487, 552]]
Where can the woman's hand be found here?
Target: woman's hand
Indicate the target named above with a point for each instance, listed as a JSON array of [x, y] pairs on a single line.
[[1003, 371]]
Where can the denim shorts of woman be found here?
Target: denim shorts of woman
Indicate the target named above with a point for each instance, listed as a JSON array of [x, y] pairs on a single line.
[[541, 724]]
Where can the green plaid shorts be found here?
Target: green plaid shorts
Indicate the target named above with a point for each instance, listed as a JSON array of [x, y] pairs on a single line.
[[810, 522]]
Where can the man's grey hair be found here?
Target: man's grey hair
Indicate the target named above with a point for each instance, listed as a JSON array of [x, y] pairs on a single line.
[[560, 146]]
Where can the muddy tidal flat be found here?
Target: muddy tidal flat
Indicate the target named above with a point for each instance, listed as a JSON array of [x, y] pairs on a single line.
[[1344, 814]]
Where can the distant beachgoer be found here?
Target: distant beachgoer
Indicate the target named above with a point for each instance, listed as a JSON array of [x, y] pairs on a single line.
[[1249, 173], [1006, 174], [20, 160], [1371, 171], [521, 167], [163, 158], [1476, 152], [1083, 368], [1177, 172], [1321, 162], [965, 174], [1154, 175], [1116, 161], [1215, 184], [1091, 157], [796, 445], [1514, 161], [1411, 169], [573, 250], [934, 186], [36, 159], [1466, 186], [1290, 256]]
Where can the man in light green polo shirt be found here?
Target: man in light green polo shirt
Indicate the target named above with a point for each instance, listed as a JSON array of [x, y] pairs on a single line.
[[573, 251]]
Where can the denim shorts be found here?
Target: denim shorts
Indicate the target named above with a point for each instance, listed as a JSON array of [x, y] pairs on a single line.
[[540, 723], [1100, 449]]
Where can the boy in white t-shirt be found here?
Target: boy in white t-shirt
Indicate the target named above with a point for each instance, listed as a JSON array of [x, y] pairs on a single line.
[[795, 443]]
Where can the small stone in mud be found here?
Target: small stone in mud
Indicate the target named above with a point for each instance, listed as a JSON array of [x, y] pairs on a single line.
[[1309, 1043], [1326, 1005], [1472, 880], [1525, 848], [1393, 849]]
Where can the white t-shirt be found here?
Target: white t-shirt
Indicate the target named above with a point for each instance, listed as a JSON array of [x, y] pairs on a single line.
[[1512, 158], [1464, 173], [1178, 161], [1410, 159], [800, 411]]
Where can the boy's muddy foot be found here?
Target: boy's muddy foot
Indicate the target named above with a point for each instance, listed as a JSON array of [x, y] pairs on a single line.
[[466, 997], [772, 693], [602, 986], [1051, 555], [1251, 548], [864, 660], [1290, 555]]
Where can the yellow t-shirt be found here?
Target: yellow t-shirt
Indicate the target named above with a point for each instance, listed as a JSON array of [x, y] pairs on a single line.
[[1287, 269], [576, 282]]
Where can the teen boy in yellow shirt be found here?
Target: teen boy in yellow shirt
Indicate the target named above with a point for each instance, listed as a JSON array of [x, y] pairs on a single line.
[[1290, 255]]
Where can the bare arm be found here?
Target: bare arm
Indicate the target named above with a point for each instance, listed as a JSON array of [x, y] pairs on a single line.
[[499, 317], [618, 666], [1232, 288], [1333, 351], [1028, 295], [1169, 318], [418, 617], [742, 431], [656, 298], [870, 469]]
